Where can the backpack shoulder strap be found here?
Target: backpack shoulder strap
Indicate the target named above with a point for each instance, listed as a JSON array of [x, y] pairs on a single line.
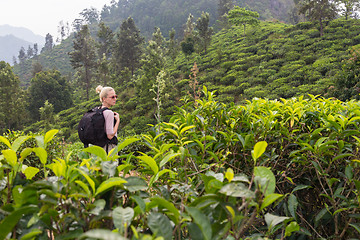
[[99, 109], [102, 109]]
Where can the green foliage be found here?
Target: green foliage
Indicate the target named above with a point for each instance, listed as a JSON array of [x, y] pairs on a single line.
[[127, 49], [187, 46], [48, 86], [346, 83], [83, 57], [241, 16], [267, 168], [101, 194], [11, 98]]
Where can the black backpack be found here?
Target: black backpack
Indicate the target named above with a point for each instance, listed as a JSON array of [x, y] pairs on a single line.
[[91, 128]]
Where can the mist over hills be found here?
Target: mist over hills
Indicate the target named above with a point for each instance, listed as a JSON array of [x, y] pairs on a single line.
[[13, 38], [22, 33]]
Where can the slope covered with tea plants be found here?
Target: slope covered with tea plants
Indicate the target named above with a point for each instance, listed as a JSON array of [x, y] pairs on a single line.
[[273, 60]]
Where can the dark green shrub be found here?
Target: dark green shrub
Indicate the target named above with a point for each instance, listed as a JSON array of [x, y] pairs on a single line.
[[305, 25], [292, 56], [266, 73], [227, 65], [228, 79]]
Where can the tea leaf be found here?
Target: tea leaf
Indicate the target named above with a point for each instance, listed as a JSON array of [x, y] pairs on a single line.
[[201, 221], [111, 182]]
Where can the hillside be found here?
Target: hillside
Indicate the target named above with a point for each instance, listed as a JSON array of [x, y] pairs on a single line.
[[273, 61], [165, 14], [13, 38], [276, 60], [22, 33], [57, 58], [10, 46]]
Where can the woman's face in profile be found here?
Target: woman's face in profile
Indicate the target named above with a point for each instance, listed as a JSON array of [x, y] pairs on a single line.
[[111, 98]]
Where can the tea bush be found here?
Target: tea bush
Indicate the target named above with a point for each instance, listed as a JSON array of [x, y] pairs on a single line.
[[266, 169]]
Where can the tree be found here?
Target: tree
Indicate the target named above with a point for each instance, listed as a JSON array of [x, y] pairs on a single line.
[[63, 30], [318, 10], [90, 15], [47, 115], [36, 68], [240, 16], [128, 49], [105, 40], [172, 45], [205, 32], [187, 46], [30, 52], [84, 57], [77, 23], [189, 27], [22, 55], [224, 7], [50, 86], [36, 49], [158, 37], [49, 43], [14, 60], [104, 45], [348, 7], [11, 102], [152, 62]]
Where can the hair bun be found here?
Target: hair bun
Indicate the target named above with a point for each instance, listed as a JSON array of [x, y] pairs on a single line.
[[99, 88]]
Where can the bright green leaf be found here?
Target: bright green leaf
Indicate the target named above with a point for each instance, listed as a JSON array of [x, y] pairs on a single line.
[[98, 151], [5, 141], [127, 142], [229, 175], [30, 172], [50, 135], [18, 142], [259, 149], [290, 228], [150, 162], [10, 157], [87, 177], [167, 158], [269, 199], [109, 183], [42, 154]]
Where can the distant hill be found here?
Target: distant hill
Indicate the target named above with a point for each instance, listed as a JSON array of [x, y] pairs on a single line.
[[13, 38], [10, 46], [22, 33]]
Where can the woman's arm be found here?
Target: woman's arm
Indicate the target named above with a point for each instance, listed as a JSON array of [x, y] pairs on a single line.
[[116, 126]]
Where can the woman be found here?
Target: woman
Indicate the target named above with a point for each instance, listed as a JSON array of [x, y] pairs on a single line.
[[108, 99]]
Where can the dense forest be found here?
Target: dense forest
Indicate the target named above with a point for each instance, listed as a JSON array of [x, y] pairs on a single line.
[[237, 121]]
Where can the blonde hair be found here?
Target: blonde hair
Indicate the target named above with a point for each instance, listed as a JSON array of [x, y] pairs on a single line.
[[103, 91]]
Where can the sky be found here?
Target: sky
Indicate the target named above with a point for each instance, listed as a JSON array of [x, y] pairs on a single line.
[[44, 16]]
